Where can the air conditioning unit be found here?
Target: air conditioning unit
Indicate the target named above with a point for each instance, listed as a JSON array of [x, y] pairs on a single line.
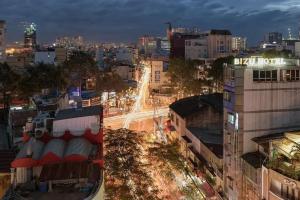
[[39, 132]]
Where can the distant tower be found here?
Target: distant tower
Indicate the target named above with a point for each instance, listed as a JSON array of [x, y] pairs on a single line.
[[169, 30], [290, 37], [2, 40], [30, 36]]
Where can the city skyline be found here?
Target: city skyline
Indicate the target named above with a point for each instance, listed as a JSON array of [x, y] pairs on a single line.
[[102, 20]]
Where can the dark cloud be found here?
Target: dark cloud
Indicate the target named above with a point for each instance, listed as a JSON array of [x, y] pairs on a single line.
[[125, 20]]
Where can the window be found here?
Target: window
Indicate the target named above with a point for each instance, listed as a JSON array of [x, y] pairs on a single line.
[[255, 75], [227, 96], [157, 76], [289, 75], [230, 118], [265, 75], [274, 75]]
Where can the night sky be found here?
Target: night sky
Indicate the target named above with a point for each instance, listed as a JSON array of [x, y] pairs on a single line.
[[126, 20]]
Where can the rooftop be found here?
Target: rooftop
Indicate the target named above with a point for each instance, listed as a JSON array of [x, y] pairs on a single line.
[[78, 112], [212, 138], [187, 106], [267, 138], [220, 32], [255, 159]]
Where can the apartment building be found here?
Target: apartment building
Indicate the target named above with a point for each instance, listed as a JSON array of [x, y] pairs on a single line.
[[261, 97], [209, 45], [159, 81], [198, 123]]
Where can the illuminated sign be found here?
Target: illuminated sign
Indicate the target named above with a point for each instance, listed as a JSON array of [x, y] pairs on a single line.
[[259, 61]]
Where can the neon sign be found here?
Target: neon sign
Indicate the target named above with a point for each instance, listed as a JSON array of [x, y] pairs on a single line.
[[259, 61]]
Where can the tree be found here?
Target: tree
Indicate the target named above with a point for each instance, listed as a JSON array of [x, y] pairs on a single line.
[[126, 174], [272, 53], [42, 76], [183, 75], [81, 65], [8, 85], [169, 160], [217, 70]]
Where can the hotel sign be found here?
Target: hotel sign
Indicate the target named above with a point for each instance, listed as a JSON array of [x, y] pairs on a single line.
[[259, 61]]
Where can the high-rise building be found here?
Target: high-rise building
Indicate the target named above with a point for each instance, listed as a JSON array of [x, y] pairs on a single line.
[[239, 44], [273, 37], [30, 36], [2, 40], [261, 97]]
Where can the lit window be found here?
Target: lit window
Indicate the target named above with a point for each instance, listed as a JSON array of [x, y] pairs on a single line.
[[230, 118]]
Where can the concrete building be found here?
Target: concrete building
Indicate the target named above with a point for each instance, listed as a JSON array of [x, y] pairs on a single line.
[[239, 44], [198, 122], [261, 97], [61, 55], [273, 37], [2, 40], [196, 49], [126, 72], [20, 59], [210, 45], [46, 57], [159, 82]]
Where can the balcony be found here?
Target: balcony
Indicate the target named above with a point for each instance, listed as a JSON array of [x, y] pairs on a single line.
[[282, 187]]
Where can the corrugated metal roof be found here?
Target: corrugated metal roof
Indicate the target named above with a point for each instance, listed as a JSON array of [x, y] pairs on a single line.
[[32, 147], [56, 146], [78, 146]]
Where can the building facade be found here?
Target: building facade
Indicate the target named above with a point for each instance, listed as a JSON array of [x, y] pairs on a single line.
[[273, 37], [198, 125], [261, 97], [159, 81], [210, 45], [239, 44]]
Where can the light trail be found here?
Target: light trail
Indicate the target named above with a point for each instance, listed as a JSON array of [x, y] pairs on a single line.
[[142, 87]]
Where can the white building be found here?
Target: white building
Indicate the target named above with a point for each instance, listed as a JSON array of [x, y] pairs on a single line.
[[196, 49], [211, 45], [239, 44], [46, 57], [261, 97], [2, 40]]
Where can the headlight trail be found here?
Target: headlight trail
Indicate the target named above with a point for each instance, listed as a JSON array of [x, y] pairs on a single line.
[[142, 89]]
